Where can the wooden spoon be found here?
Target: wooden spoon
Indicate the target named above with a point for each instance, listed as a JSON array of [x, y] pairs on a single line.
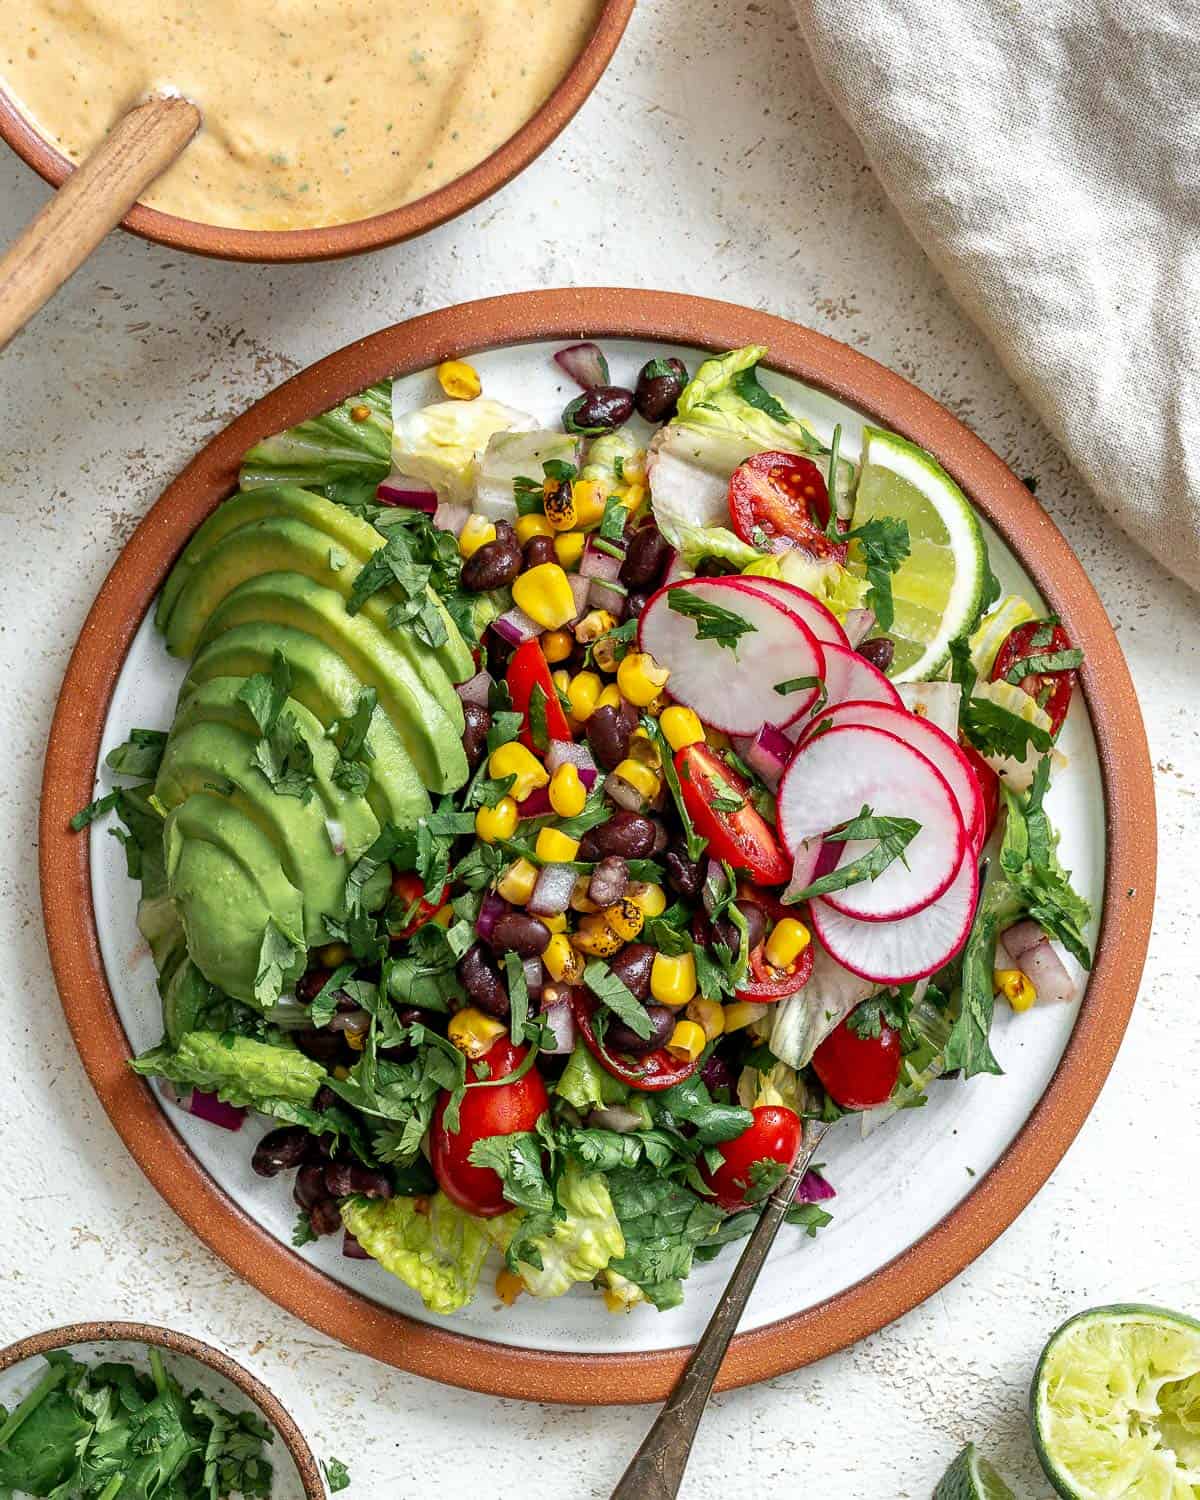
[[94, 199]]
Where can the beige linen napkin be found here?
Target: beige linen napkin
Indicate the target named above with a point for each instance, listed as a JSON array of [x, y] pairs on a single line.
[[1047, 157]]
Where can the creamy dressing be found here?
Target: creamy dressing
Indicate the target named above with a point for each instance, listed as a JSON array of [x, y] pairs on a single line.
[[315, 111]]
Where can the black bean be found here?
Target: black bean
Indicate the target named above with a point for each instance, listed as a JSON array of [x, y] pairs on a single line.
[[325, 1217], [626, 833], [685, 876], [481, 980], [310, 985], [661, 837], [632, 966], [604, 408], [645, 558], [539, 550], [621, 1038], [325, 1099], [879, 651], [476, 723], [494, 565], [322, 1046], [309, 1186], [659, 384], [352, 1250], [280, 1150], [344, 1178], [609, 882], [608, 733], [519, 932], [725, 932], [635, 602]]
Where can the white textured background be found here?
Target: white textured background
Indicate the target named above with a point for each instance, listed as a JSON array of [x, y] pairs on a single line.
[[707, 161]]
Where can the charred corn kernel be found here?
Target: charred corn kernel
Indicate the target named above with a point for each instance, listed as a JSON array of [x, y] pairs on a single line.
[[589, 498], [656, 705], [527, 527], [557, 645], [509, 1286], [444, 916], [360, 413], [687, 1041], [742, 1013], [477, 532], [580, 900], [333, 954], [651, 898], [610, 697], [499, 822], [718, 739], [673, 979], [561, 680], [641, 678], [583, 695], [473, 1032], [604, 654], [355, 1040], [638, 776], [568, 547], [554, 847], [709, 1015], [517, 882], [545, 596], [459, 380], [634, 497], [567, 792], [1015, 987], [562, 961], [596, 938], [595, 623], [514, 759], [643, 748], [681, 727], [787, 942], [625, 917], [556, 923], [559, 507]]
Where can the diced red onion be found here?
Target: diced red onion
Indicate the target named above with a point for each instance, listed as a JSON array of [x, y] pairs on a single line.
[[579, 591], [1022, 936], [491, 909], [398, 489], [585, 364], [215, 1111], [535, 976], [451, 517], [614, 1117], [536, 805], [1003, 958], [623, 793], [563, 751], [516, 627], [337, 835], [1047, 973], [552, 893], [806, 857], [559, 1019], [858, 625], [812, 1188], [596, 563], [768, 754], [351, 1249], [605, 595], [476, 689]]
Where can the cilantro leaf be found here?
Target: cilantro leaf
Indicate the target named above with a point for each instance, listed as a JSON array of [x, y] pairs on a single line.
[[518, 996], [265, 693], [995, 731], [614, 993], [892, 835], [713, 621], [1044, 661], [696, 844], [517, 1161], [281, 958], [285, 758], [884, 545], [337, 1476], [303, 1234], [140, 755]]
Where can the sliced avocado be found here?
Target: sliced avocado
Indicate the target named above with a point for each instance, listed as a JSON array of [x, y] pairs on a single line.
[[217, 701], [327, 687], [432, 738], [207, 757]]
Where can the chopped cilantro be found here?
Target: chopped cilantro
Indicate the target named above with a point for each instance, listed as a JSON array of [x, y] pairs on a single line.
[[614, 993], [713, 622], [892, 835], [884, 545]]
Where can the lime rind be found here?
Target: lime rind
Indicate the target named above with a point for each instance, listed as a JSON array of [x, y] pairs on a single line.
[[1115, 1404], [971, 1477]]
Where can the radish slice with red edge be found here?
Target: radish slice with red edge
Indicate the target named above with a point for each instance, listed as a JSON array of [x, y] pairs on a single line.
[[732, 689], [911, 948], [851, 678], [924, 736], [819, 620], [837, 773]]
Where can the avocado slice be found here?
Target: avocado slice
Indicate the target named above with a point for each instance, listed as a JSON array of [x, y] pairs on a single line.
[[326, 686], [217, 701], [345, 531], [432, 737], [207, 755]]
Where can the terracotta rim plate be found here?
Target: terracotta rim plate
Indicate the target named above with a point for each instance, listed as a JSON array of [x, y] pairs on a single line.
[[438, 1352], [181, 1343], [404, 223]]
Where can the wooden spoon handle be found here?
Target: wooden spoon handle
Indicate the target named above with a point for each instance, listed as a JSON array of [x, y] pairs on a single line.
[[94, 198]]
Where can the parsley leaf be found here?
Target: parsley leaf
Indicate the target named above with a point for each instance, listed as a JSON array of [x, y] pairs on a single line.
[[884, 546], [264, 694], [337, 1476], [614, 993], [285, 758], [892, 835], [713, 622], [140, 755]]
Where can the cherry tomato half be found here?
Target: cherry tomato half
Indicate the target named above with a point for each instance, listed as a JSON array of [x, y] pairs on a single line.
[[501, 1110], [783, 497], [407, 888], [741, 836], [858, 1072], [655, 1071], [989, 785], [774, 1136], [528, 668], [768, 984], [1051, 689]]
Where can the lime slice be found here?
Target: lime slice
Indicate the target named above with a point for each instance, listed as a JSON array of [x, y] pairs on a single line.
[[1116, 1406], [938, 589], [970, 1477]]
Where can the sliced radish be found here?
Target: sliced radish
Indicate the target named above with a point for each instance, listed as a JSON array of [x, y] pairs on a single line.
[[732, 690], [819, 620], [850, 677], [834, 775], [911, 948], [925, 736]]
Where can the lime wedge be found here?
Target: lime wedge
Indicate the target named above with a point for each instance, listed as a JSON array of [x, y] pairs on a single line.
[[970, 1477], [939, 587], [1116, 1406]]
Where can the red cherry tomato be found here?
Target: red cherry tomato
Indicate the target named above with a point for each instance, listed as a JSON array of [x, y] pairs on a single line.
[[528, 668], [407, 888], [989, 785], [502, 1110], [650, 1073], [1051, 689], [743, 838], [858, 1072], [774, 1136], [784, 497], [768, 984]]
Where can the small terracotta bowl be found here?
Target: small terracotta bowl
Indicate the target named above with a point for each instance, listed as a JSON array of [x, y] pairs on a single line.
[[336, 240], [92, 1342]]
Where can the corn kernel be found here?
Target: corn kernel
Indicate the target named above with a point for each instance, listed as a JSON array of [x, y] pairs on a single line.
[[742, 1013], [625, 917], [643, 748], [561, 679], [332, 955], [560, 508], [638, 776], [557, 923], [673, 979], [709, 1015], [517, 883], [651, 898], [545, 595], [514, 759], [641, 678], [557, 645], [360, 413], [567, 792], [459, 380], [583, 695], [610, 697], [499, 822], [1015, 987], [509, 1286], [473, 1032], [687, 1041], [787, 942], [444, 916], [595, 623], [681, 727], [562, 961], [355, 1040], [554, 847], [477, 532], [527, 527], [596, 938], [615, 1303], [718, 739], [589, 498], [568, 548], [341, 1073], [580, 900], [634, 498]]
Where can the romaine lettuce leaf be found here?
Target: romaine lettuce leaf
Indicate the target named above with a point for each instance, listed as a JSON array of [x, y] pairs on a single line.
[[340, 453], [443, 444], [574, 1248], [609, 455], [586, 1085], [725, 393], [803, 1021], [238, 1069], [439, 1251]]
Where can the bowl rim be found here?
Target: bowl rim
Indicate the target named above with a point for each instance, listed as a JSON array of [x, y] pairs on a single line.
[[116, 1330], [330, 242], [439, 1352]]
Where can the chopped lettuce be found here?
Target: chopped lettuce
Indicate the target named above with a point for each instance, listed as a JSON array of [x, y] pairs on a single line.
[[803, 1021], [725, 393], [435, 1248], [836, 587], [689, 470], [779, 1085], [238, 1069], [586, 1085], [574, 1248], [443, 444], [342, 454], [609, 455]]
